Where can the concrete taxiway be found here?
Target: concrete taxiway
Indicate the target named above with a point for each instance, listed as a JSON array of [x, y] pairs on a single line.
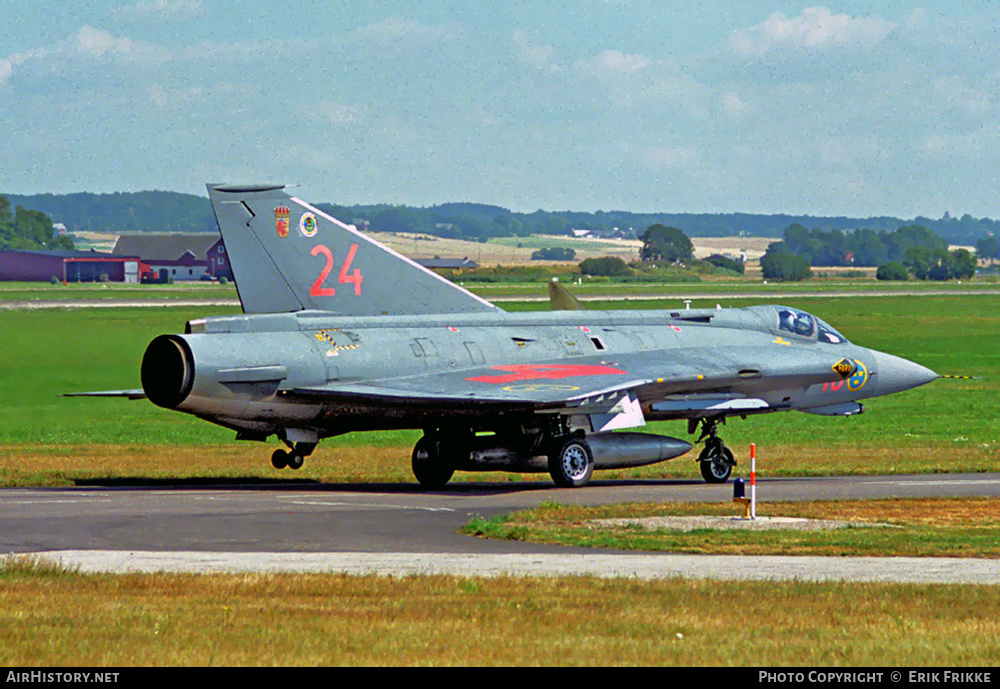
[[400, 529]]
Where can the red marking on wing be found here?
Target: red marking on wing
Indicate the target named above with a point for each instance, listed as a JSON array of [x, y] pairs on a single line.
[[546, 372]]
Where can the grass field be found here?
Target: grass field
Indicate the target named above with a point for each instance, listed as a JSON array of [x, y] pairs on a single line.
[[117, 291], [588, 287], [50, 616], [933, 527], [949, 425]]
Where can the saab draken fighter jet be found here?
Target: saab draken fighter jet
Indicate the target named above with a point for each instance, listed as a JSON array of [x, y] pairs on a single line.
[[341, 334]]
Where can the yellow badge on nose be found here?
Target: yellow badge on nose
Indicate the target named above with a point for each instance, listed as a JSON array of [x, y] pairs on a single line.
[[844, 368]]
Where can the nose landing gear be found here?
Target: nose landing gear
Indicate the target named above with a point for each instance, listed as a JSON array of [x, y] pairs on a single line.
[[716, 460]]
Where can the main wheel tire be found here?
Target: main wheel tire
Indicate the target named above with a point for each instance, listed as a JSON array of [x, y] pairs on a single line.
[[429, 468], [572, 465], [716, 468], [279, 459], [295, 460]]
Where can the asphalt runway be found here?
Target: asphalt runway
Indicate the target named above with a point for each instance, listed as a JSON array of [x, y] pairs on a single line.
[[400, 529]]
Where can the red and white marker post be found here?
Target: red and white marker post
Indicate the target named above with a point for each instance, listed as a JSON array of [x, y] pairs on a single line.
[[753, 480]]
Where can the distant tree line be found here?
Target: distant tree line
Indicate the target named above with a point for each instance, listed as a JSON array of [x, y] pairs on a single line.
[[162, 211], [862, 247], [988, 248], [940, 264], [119, 213], [909, 250], [663, 249], [553, 253], [28, 230]]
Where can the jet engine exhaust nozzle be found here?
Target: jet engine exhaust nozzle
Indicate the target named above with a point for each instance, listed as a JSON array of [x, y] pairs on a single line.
[[167, 371]]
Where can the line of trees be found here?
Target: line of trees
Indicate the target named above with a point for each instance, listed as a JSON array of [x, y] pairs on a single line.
[[662, 248], [553, 253], [988, 248], [908, 250], [862, 247], [28, 230], [163, 211]]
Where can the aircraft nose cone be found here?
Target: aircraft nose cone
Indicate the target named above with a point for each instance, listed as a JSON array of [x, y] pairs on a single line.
[[895, 374]]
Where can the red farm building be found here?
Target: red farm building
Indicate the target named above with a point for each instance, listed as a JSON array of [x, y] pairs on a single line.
[[185, 256], [69, 266]]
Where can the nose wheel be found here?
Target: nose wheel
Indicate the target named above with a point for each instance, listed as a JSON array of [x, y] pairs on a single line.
[[716, 460]]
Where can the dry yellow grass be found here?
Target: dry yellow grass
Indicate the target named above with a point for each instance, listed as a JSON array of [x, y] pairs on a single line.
[[932, 527], [64, 464], [506, 253], [956, 512], [262, 620], [938, 512]]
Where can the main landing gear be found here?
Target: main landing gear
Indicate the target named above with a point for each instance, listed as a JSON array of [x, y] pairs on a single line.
[[571, 462], [568, 456], [294, 458], [716, 460], [430, 467]]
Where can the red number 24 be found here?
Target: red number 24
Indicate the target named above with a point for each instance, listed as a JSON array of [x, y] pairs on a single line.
[[317, 289]]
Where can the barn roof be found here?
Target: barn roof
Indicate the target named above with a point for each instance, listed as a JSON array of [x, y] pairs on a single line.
[[165, 247], [438, 262], [69, 253]]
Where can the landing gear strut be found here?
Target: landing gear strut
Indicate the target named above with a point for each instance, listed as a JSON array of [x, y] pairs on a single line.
[[294, 458], [716, 460]]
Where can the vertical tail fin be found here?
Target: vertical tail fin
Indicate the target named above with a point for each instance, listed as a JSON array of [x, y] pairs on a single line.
[[561, 299], [287, 256]]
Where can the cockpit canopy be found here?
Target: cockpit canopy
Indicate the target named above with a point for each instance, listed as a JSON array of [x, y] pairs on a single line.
[[802, 324]]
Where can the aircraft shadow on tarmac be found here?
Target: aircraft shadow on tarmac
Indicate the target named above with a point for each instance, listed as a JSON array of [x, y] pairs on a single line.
[[254, 483]]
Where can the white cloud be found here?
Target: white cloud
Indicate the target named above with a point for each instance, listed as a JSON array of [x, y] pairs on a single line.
[[336, 114], [163, 97], [163, 10], [614, 63], [966, 145], [96, 43], [533, 54], [395, 29], [86, 46], [658, 158], [733, 104], [250, 51], [953, 90], [813, 28]]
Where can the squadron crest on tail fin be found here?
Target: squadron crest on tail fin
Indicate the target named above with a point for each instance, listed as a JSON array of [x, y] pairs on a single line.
[[287, 255]]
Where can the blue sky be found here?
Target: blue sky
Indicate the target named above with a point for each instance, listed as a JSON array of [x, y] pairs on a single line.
[[879, 108]]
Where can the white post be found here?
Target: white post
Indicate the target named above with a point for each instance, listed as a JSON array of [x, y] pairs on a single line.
[[753, 481]]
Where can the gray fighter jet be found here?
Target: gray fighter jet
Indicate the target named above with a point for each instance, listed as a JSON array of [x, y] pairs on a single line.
[[342, 334]]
